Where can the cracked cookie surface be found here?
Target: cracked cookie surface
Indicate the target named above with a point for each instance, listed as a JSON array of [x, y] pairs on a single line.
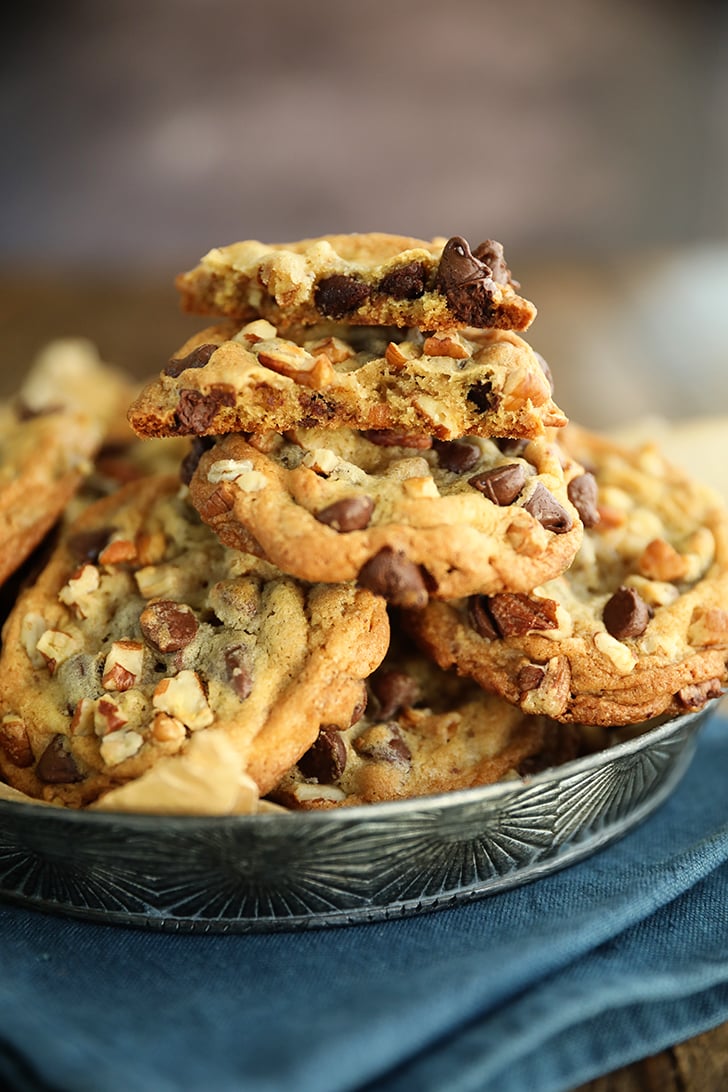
[[143, 632], [637, 627], [252, 379], [369, 279], [406, 516]]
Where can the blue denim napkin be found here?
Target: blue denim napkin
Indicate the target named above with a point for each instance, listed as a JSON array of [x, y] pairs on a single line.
[[538, 989]]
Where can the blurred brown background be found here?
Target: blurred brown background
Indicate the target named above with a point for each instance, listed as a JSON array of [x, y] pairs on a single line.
[[589, 136]]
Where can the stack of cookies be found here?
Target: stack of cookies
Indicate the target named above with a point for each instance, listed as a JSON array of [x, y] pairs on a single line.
[[390, 567]]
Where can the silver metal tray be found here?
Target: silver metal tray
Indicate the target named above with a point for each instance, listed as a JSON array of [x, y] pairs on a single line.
[[301, 870]]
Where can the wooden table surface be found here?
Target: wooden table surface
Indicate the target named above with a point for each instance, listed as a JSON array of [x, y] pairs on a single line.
[[136, 323]]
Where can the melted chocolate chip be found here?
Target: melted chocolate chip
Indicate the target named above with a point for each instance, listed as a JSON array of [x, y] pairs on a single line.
[[512, 445], [583, 494], [490, 253], [458, 456], [481, 619], [544, 507], [326, 758], [466, 283], [384, 747], [168, 626], [626, 614], [406, 282], [198, 358], [482, 397], [56, 766], [502, 484], [238, 671], [348, 514], [390, 437], [529, 677], [188, 466], [391, 574], [196, 411], [512, 614], [393, 690], [337, 296], [87, 545]]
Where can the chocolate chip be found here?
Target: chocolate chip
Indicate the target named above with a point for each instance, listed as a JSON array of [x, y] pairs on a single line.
[[87, 545], [393, 690], [56, 765], [502, 484], [198, 358], [544, 507], [482, 397], [339, 295], [384, 743], [481, 619], [406, 282], [188, 466], [348, 514], [326, 758], [238, 671], [457, 456], [512, 445], [626, 614], [466, 283], [583, 494], [513, 614], [390, 437], [490, 253], [196, 411], [529, 677], [168, 626], [391, 574]]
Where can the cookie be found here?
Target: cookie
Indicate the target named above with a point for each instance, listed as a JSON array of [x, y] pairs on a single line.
[[49, 435], [253, 379], [403, 515], [361, 279], [424, 731], [636, 628], [143, 631]]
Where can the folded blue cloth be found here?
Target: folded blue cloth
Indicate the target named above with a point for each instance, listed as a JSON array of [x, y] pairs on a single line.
[[538, 988]]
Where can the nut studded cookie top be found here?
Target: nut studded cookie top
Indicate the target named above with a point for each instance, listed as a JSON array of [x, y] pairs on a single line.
[[635, 628], [143, 633], [362, 279], [254, 378]]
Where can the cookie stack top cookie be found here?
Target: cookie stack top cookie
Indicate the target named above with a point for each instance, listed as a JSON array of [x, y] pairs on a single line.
[[376, 417]]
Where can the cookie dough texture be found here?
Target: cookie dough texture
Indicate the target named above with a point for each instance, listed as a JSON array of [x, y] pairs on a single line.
[[440, 519], [637, 627], [255, 377], [144, 632], [364, 279], [49, 435], [424, 731]]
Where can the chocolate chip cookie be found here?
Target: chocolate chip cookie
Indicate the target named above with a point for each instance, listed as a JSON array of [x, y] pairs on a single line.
[[424, 731], [49, 435], [362, 279], [252, 379], [404, 515], [637, 627], [143, 631]]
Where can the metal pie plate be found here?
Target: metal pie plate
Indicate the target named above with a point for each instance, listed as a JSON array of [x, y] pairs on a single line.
[[300, 870]]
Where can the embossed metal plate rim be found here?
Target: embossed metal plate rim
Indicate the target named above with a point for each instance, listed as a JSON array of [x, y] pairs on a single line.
[[302, 870]]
